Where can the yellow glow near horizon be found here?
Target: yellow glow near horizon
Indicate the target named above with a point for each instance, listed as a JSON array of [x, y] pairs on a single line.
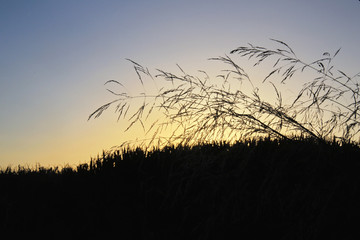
[[56, 56]]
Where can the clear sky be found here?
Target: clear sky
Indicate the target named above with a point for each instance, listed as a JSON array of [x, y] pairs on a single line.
[[55, 57]]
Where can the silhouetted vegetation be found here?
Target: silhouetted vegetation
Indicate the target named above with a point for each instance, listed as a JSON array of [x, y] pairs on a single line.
[[279, 189], [298, 178], [232, 105]]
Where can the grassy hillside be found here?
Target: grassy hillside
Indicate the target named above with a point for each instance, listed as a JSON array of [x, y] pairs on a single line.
[[253, 189]]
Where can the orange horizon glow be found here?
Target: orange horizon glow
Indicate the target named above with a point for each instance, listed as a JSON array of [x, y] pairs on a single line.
[[56, 57]]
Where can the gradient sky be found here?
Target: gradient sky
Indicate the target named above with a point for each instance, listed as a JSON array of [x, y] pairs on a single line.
[[55, 57]]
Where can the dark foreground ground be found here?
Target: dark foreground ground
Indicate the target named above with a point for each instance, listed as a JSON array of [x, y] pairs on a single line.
[[252, 190]]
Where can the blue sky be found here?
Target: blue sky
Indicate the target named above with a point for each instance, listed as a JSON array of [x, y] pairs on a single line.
[[56, 55]]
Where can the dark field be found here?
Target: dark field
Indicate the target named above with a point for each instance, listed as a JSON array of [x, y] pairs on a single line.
[[249, 190]]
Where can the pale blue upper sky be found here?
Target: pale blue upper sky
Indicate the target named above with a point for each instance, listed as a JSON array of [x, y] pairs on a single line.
[[56, 55]]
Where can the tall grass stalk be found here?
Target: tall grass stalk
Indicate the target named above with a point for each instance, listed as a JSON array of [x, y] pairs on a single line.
[[201, 109]]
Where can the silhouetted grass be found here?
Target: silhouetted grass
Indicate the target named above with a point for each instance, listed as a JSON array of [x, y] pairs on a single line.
[[287, 189], [232, 106]]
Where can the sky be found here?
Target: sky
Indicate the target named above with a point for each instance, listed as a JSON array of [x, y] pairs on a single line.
[[55, 57]]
